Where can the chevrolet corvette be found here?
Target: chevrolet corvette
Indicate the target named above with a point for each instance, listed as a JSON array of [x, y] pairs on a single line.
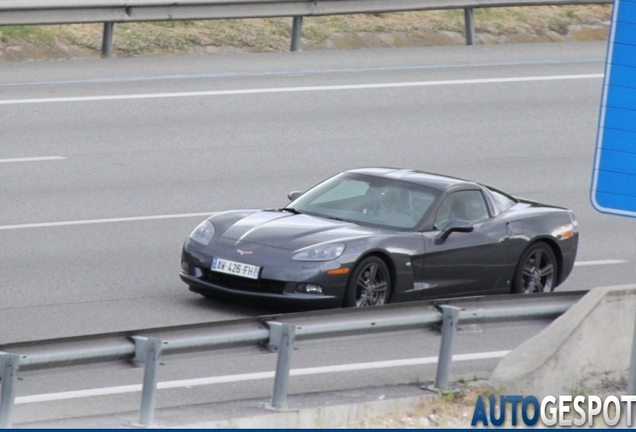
[[372, 236]]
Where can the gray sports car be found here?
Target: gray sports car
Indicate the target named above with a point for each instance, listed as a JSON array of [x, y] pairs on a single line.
[[377, 235]]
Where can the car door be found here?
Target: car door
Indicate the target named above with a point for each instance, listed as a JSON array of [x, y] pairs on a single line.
[[464, 263]]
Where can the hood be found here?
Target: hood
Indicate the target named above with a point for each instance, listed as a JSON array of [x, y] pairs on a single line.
[[292, 231]]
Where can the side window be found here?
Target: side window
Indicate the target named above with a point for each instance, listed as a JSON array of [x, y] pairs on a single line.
[[463, 205]]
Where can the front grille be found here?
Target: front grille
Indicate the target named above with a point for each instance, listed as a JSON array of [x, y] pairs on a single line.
[[244, 284]]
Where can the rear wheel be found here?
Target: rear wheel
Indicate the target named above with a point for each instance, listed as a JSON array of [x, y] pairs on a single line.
[[537, 270], [369, 284]]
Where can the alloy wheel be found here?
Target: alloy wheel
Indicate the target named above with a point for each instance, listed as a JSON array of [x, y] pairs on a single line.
[[538, 272], [372, 285]]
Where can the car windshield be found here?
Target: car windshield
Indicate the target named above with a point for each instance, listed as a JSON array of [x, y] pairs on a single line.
[[368, 200]]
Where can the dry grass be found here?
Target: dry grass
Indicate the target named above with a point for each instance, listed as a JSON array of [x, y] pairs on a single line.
[[448, 411], [332, 32]]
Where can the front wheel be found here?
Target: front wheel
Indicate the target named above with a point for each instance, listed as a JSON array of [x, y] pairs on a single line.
[[369, 284], [537, 270]]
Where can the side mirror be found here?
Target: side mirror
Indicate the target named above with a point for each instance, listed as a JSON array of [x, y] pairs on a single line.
[[454, 226], [293, 195]]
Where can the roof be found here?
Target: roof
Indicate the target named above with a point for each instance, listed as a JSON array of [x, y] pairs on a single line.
[[436, 181]]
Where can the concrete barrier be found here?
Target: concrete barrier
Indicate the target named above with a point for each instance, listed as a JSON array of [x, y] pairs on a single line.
[[585, 350]]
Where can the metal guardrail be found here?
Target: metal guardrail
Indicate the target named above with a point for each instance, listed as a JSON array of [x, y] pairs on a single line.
[[38, 12], [276, 331]]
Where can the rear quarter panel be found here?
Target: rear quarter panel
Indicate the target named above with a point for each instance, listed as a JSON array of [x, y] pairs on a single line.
[[529, 222]]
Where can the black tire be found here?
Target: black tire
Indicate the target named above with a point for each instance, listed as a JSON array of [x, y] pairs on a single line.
[[537, 270], [369, 284]]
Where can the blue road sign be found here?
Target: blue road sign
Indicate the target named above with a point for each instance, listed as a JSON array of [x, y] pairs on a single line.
[[614, 176]]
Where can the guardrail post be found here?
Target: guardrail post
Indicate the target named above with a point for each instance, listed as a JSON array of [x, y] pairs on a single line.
[[148, 351], [450, 319], [631, 379], [107, 39], [282, 337], [296, 32], [450, 316], [470, 26], [9, 365]]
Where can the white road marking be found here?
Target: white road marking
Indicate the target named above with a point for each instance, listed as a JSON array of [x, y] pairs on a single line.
[[299, 89], [599, 262], [252, 376], [203, 214], [33, 159], [101, 221]]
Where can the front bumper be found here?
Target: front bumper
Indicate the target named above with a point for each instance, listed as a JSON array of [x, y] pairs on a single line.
[[296, 300], [278, 284]]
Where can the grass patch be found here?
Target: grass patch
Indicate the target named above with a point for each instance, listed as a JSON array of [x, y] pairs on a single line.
[[31, 34]]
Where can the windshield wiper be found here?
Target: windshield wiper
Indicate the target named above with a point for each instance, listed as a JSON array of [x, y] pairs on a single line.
[[334, 218], [291, 210]]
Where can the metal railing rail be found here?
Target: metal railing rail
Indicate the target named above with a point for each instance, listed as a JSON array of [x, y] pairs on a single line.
[[38, 12], [276, 331]]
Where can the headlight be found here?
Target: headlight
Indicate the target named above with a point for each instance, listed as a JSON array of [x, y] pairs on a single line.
[[203, 233], [320, 253]]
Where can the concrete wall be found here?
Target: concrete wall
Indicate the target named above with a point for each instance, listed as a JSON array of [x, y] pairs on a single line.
[[586, 350]]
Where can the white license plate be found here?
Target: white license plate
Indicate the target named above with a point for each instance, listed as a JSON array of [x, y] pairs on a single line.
[[235, 268]]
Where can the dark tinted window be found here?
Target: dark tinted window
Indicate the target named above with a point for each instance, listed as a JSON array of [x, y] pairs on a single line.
[[463, 205]]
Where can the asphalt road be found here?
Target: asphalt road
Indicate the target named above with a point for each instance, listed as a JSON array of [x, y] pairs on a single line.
[[107, 165], [126, 140]]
